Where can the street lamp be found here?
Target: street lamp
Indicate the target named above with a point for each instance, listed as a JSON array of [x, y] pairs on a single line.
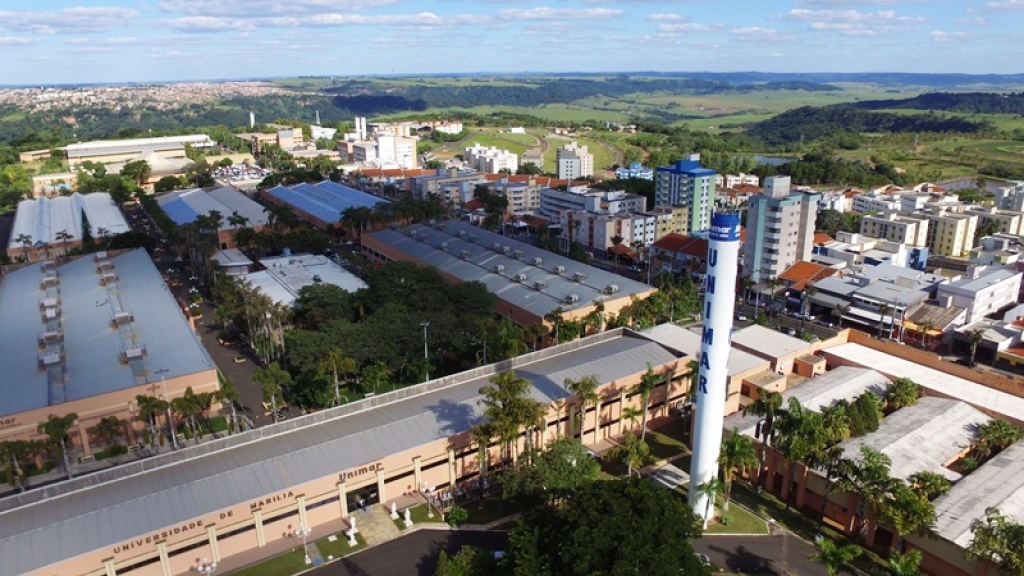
[[426, 357], [170, 420], [303, 532], [206, 567]]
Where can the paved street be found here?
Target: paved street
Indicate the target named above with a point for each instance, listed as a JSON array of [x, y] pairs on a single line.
[[416, 554]]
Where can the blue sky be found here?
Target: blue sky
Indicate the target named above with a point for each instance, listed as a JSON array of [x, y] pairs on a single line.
[[55, 41]]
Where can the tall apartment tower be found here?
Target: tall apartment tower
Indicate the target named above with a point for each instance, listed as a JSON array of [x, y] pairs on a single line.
[[574, 161], [780, 229], [686, 183]]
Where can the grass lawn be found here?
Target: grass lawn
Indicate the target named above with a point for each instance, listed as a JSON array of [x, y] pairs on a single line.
[[666, 441], [742, 521], [286, 564], [339, 548], [491, 509], [419, 515]]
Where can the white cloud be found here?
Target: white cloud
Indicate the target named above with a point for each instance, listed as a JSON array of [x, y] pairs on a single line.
[[1004, 5], [851, 2], [941, 36], [661, 17], [253, 8], [758, 34], [978, 21], [421, 20], [15, 41], [804, 15], [77, 19], [688, 27], [547, 13]]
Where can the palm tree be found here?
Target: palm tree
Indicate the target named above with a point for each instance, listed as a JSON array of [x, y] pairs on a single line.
[[839, 311], [773, 284], [998, 434], [56, 429], [737, 453], [906, 564], [272, 379], [924, 328], [228, 393], [708, 491], [977, 336], [767, 407], [63, 236], [930, 484], [632, 414], [109, 430], [633, 452], [149, 407], [883, 309], [332, 364], [556, 320], [11, 454], [806, 295], [836, 558], [509, 408], [481, 434], [902, 392], [585, 390], [648, 382], [906, 511], [616, 242], [868, 477]]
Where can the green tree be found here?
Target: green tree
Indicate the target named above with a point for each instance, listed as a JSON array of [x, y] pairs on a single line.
[[138, 170], [1000, 540], [585, 390], [648, 382], [977, 336], [768, 407], [906, 564], [906, 511], [836, 559], [555, 474], [930, 484], [737, 453], [149, 408], [868, 477], [228, 394], [902, 392], [633, 452], [272, 380], [468, 561], [865, 414], [56, 430], [509, 408], [616, 242], [708, 492], [109, 430]]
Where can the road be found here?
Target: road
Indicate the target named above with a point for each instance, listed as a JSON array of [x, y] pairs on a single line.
[[416, 554]]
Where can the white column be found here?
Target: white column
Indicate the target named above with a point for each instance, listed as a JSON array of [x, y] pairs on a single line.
[[165, 561], [261, 539], [381, 493], [343, 500], [211, 534]]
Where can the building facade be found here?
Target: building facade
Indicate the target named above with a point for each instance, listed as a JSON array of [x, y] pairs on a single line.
[[909, 230], [490, 159], [951, 234], [780, 229], [574, 161], [687, 184]]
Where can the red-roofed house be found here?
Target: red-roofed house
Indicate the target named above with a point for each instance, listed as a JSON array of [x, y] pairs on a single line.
[[799, 275], [680, 253]]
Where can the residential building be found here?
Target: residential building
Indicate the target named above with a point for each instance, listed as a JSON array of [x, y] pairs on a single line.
[[318, 132], [581, 197], [669, 220], [876, 202], [780, 229], [453, 186], [1009, 221], [687, 184], [1010, 196], [396, 151], [679, 253], [736, 180], [597, 230], [950, 234], [901, 228], [634, 170], [453, 127], [523, 195], [857, 250], [574, 161], [490, 159], [997, 250], [45, 228], [983, 292]]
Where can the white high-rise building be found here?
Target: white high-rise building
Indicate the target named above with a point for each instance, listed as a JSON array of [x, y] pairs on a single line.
[[491, 160], [780, 229], [574, 161]]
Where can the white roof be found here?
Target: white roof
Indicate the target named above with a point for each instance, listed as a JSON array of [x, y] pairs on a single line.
[[766, 342], [44, 217], [688, 342], [941, 383], [286, 275], [923, 437], [231, 257], [999, 483]]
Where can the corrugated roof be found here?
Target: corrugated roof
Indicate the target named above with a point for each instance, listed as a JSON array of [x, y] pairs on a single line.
[[92, 347], [184, 206], [999, 483], [974, 285], [766, 342], [688, 342], [326, 200], [923, 437], [482, 260], [286, 275], [44, 217], [278, 457]]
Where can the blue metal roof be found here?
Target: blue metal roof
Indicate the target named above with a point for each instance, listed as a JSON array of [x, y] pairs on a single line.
[[179, 211], [325, 200]]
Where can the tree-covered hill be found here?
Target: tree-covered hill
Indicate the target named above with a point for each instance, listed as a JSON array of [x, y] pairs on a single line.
[[968, 102]]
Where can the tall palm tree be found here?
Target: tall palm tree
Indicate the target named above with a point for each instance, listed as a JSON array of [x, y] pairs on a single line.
[[56, 430], [633, 452], [63, 237], [109, 430], [585, 390], [632, 414], [509, 408], [229, 394], [767, 407], [806, 295], [11, 454], [648, 382], [902, 392], [977, 336], [906, 564], [708, 491], [906, 511], [272, 379], [481, 434], [149, 408], [737, 453], [834, 557], [556, 319], [332, 364], [930, 484], [924, 328], [868, 477], [839, 311], [883, 309], [616, 242]]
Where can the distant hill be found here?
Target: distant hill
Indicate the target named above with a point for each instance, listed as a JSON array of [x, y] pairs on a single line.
[[968, 102]]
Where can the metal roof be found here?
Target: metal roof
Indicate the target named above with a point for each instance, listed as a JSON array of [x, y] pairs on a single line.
[[923, 437], [688, 342], [325, 200], [286, 275], [44, 217], [942, 383], [163, 491], [450, 247], [999, 483], [767, 342], [971, 286], [91, 345], [184, 206]]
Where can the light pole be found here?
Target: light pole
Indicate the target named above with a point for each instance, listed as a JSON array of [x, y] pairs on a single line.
[[303, 532], [206, 567], [426, 357], [170, 420]]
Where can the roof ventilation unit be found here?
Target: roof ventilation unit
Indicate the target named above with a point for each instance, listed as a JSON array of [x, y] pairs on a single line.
[[462, 233], [424, 237], [518, 254], [121, 318], [108, 278], [444, 245], [537, 261], [465, 255], [558, 269], [611, 289], [579, 276], [540, 285], [496, 246], [572, 298], [499, 268], [505, 250], [520, 277], [473, 237]]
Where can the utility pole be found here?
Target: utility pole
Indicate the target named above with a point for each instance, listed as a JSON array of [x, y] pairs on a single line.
[[426, 356]]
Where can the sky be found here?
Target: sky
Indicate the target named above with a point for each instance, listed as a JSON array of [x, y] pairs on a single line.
[[80, 41]]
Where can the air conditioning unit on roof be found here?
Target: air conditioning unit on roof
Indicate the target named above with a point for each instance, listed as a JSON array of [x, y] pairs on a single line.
[[540, 285], [462, 233], [520, 277], [465, 255], [537, 261], [572, 298], [558, 269], [444, 245], [579, 276], [496, 246], [611, 289], [499, 268], [518, 254]]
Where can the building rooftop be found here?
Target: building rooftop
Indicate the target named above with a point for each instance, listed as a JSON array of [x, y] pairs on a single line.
[[325, 200], [941, 383], [688, 342], [231, 257], [974, 285], [92, 346], [43, 218], [147, 496], [286, 275], [184, 206], [767, 343], [843, 383], [473, 254], [923, 437], [999, 483], [803, 273]]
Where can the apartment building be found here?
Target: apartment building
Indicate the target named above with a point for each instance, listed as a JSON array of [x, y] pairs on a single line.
[[597, 230], [734, 180], [982, 292], [901, 228], [687, 184], [634, 170], [555, 202], [780, 229], [858, 250], [574, 161], [1010, 197], [951, 234], [1009, 221], [453, 186], [669, 220], [490, 159], [523, 197], [868, 203]]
